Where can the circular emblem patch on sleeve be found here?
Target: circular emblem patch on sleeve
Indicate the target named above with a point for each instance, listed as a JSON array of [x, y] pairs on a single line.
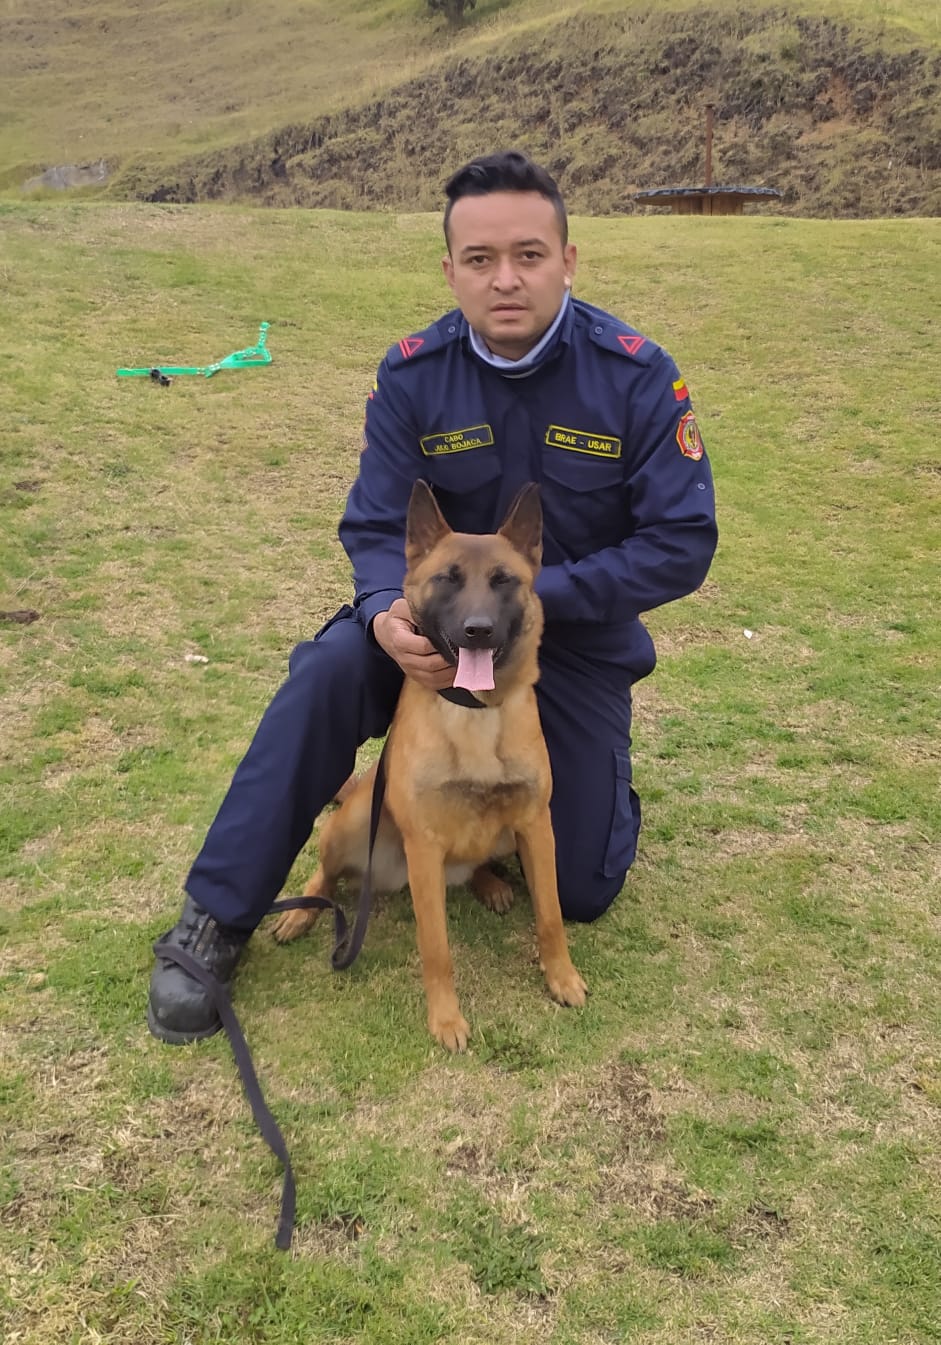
[[689, 438]]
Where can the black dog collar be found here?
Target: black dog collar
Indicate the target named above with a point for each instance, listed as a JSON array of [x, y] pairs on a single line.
[[461, 696]]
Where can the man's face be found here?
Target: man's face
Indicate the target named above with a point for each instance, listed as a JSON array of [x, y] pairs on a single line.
[[507, 267]]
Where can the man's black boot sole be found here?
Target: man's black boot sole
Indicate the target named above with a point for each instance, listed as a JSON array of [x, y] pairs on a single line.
[[178, 1038]]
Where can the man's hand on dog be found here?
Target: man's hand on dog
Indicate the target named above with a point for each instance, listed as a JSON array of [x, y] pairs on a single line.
[[417, 657]]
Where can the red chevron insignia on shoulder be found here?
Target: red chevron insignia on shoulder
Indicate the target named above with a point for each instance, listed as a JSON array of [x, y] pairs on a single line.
[[632, 343], [409, 344]]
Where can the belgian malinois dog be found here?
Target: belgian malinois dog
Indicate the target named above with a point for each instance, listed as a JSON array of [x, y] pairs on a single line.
[[464, 785]]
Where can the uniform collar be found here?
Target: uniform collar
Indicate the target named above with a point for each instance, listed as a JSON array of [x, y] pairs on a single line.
[[556, 334]]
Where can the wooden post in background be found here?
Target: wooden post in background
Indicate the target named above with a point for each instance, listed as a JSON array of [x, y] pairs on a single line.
[[710, 109]]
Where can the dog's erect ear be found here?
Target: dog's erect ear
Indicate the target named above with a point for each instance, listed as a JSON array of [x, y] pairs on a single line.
[[522, 526], [425, 525]]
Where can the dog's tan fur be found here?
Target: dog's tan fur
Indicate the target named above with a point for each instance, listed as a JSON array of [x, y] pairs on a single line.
[[463, 785]]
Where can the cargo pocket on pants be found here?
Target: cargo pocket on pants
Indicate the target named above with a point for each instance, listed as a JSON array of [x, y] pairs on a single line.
[[625, 820], [301, 651], [345, 612]]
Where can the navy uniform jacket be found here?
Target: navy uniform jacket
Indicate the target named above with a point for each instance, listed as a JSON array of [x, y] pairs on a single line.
[[603, 424]]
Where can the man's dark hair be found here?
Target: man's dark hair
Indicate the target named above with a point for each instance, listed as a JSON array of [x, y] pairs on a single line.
[[508, 170]]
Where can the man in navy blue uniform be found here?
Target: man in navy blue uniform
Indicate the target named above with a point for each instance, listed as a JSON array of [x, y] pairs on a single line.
[[521, 382]]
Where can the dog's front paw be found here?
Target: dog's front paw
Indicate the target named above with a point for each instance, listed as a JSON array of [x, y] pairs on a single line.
[[565, 985], [452, 1032], [292, 924]]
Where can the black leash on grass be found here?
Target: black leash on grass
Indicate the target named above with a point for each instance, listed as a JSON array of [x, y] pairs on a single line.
[[346, 947]]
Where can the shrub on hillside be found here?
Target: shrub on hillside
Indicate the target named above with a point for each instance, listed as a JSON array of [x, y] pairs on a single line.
[[453, 10]]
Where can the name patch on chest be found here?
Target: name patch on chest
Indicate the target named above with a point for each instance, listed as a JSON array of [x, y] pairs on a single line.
[[583, 441], [456, 441]]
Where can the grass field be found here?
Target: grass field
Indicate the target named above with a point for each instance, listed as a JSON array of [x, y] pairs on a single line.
[[737, 1140]]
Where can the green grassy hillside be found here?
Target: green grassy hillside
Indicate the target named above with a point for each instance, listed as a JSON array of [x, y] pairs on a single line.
[[330, 104]]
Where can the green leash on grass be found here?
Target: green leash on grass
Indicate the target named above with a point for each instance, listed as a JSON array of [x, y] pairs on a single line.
[[239, 359]]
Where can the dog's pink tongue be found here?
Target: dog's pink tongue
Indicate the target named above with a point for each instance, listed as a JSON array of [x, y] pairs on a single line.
[[474, 669]]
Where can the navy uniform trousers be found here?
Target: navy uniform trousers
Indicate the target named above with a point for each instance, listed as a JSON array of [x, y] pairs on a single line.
[[342, 689]]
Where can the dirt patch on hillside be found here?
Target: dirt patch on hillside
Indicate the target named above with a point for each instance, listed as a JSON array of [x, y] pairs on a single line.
[[614, 105]]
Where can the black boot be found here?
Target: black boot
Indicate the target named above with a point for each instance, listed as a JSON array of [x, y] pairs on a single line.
[[180, 1009]]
